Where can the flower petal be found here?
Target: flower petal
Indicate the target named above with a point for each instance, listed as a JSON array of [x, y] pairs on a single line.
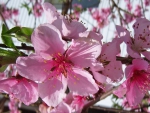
[[33, 67], [50, 12], [116, 68], [84, 52], [47, 39], [69, 29], [81, 82], [52, 91], [134, 95], [62, 108], [25, 91], [5, 85]]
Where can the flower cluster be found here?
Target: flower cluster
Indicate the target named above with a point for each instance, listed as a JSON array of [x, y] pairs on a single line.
[[70, 66]]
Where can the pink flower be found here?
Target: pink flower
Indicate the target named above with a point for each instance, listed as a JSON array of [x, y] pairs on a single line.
[[37, 10], [76, 102], [59, 66], [140, 43], [68, 28], [13, 105], [61, 108], [18, 87], [15, 12], [138, 78]]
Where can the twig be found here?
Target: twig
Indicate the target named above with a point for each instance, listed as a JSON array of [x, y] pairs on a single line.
[[101, 97], [3, 18], [2, 102], [24, 47]]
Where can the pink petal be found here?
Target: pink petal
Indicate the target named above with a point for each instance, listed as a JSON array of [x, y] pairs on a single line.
[[121, 91], [140, 64], [142, 32], [62, 108], [146, 54], [133, 53], [116, 68], [134, 94], [47, 39], [81, 82], [99, 77], [123, 33], [92, 35], [33, 67], [5, 85], [84, 52], [110, 50], [50, 12], [2, 76], [129, 71], [69, 29], [52, 91], [25, 91]]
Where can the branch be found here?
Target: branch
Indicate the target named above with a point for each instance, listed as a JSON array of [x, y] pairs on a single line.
[[3, 19], [101, 97], [23, 46]]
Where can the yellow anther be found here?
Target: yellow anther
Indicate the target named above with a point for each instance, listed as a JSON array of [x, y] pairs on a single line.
[[59, 54], [45, 61]]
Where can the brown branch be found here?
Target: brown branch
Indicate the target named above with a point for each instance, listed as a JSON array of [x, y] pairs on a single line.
[[112, 110], [2, 102], [24, 47], [3, 19], [101, 97]]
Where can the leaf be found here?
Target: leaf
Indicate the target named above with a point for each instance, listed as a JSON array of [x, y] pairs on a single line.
[[6, 38], [24, 34], [3, 68], [27, 31], [13, 30], [8, 56]]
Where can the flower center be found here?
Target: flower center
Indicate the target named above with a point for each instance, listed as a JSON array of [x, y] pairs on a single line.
[[61, 64], [142, 79]]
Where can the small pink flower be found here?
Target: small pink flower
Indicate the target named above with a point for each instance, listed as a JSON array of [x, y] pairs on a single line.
[[37, 10], [18, 87], [141, 41]]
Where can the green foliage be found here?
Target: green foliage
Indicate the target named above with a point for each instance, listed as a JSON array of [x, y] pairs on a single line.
[[26, 6], [8, 56], [22, 34], [7, 38], [3, 68]]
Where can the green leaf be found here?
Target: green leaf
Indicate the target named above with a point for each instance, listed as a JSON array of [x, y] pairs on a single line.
[[3, 68], [27, 31], [6, 38], [13, 30], [24, 34], [8, 56]]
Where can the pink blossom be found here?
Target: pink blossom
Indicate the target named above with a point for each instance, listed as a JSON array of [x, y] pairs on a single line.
[[68, 28], [138, 78], [101, 16], [13, 105], [61, 108], [37, 10], [140, 43], [15, 12], [58, 66], [18, 87], [76, 102], [146, 2]]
